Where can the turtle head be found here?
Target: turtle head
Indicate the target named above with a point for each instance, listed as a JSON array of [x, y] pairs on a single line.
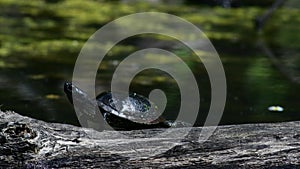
[[73, 91], [68, 90]]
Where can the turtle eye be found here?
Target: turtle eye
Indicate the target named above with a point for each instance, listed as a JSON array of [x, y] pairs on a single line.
[[68, 86]]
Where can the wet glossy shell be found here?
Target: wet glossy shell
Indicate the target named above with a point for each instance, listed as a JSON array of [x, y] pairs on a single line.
[[134, 107]]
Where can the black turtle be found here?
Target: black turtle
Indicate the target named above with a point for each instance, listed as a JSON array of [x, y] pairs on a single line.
[[119, 111]]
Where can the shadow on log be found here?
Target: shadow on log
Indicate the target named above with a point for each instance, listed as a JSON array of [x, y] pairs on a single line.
[[30, 143]]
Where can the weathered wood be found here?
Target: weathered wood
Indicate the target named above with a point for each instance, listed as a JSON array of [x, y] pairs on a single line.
[[30, 143]]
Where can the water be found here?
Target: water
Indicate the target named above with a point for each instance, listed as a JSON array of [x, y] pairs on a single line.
[[40, 41]]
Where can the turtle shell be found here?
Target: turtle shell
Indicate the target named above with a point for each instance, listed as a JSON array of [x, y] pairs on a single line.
[[130, 111]]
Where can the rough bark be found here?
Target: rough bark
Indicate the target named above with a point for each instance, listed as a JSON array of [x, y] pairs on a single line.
[[31, 143]]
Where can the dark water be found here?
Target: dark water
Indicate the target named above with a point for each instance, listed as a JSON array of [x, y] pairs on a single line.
[[40, 41]]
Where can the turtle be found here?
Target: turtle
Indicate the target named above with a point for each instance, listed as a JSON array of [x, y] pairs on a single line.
[[120, 111]]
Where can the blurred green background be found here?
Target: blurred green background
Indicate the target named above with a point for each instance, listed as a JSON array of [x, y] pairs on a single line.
[[41, 39]]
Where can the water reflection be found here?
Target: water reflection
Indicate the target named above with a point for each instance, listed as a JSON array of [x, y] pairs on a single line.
[[39, 43]]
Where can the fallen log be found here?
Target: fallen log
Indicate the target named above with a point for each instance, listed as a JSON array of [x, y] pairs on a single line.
[[31, 143]]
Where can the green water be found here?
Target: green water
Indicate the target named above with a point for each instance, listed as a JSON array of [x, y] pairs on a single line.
[[40, 41]]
